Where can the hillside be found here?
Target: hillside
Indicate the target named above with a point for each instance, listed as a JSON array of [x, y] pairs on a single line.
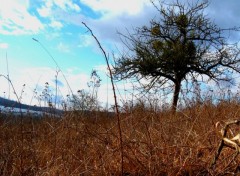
[[16, 105], [154, 143]]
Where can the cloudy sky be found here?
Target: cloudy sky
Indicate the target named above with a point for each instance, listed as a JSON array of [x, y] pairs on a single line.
[[57, 25]]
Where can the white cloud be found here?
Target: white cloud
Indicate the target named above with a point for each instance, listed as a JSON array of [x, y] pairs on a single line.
[[4, 45], [47, 9], [102, 68], [63, 47], [119, 18], [50, 10], [116, 7], [15, 18], [53, 35], [56, 25], [67, 5], [35, 78], [85, 40]]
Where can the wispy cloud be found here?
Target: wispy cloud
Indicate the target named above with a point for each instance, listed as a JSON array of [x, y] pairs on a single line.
[[85, 40], [35, 78], [46, 9], [67, 5], [4, 45], [63, 47], [52, 10], [103, 68], [116, 7], [49, 6], [15, 19], [115, 16], [56, 25]]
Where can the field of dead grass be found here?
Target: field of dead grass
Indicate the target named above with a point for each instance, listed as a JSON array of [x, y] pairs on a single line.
[[154, 143]]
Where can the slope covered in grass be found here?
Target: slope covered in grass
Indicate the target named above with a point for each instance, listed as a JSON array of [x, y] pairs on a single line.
[[154, 143]]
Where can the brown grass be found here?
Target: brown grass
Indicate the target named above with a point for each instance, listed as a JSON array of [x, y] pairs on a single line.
[[154, 143]]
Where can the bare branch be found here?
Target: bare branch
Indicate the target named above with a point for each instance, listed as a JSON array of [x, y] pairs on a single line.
[[180, 43], [114, 92]]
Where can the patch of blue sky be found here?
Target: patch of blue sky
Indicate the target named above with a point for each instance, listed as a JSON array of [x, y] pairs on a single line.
[[88, 12], [20, 50]]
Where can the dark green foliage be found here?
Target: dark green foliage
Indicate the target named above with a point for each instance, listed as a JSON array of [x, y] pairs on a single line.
[[178, 46]]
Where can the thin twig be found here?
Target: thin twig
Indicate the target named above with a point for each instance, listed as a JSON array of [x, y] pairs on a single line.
[[21, 119], [8, 76], [54, 62], [114, 93]]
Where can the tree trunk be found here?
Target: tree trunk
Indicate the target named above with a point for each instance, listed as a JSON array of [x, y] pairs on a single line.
[[177, 89]]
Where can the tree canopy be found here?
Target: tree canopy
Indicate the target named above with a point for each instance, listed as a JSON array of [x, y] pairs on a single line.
[[179, 45]]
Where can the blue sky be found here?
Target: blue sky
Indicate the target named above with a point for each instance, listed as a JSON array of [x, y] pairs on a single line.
[[57, 25]]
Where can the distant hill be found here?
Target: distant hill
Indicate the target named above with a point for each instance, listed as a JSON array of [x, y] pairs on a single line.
[[14, 104]]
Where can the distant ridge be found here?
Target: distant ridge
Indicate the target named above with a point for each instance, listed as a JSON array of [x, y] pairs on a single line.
[[14, 104]]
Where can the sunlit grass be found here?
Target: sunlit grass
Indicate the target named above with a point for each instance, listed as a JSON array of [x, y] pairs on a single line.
[[154, 143]]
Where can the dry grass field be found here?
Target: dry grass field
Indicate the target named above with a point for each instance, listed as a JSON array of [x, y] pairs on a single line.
[[154, 143]]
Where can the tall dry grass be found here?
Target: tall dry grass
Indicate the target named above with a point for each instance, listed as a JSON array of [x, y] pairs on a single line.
[[154, 143]]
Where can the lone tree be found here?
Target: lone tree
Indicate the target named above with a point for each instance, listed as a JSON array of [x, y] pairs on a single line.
[[179, 46]]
